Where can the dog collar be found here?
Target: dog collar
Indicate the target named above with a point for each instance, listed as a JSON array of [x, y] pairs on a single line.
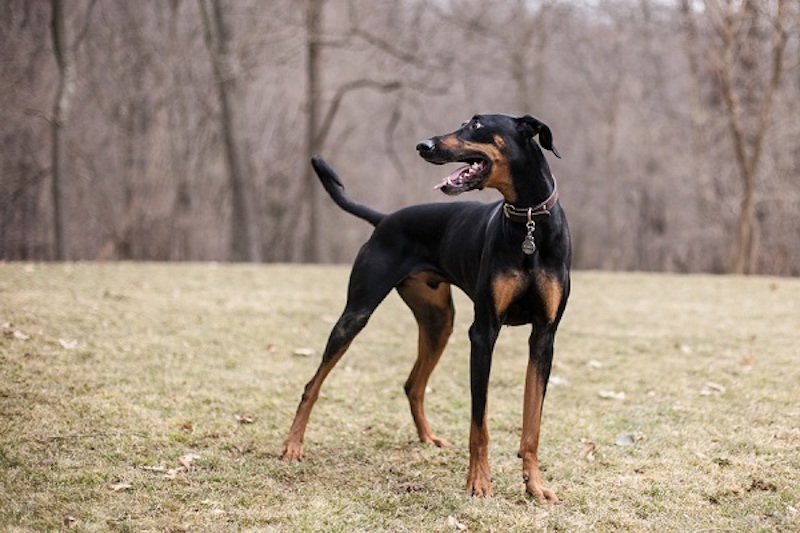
[[525, 214]]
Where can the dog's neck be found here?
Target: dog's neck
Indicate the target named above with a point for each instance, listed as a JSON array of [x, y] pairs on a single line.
[[535, 193], [524, 212]]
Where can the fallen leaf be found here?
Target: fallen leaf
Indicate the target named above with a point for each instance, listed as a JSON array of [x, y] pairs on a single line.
[[187, 460], [68, 344], [611, 395], [187, 426], [303, 352], [117, 487], [9, 330], [455, 524], [709, 388], [154, 468], [588, 449], [594, 364], [70, 521], [244, 419], [559, 381], [172, 473], [626, 440]]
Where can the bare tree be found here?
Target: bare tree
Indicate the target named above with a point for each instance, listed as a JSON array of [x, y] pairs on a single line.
[[318, 126], [313, 142], [61, 106], [244, 245], [671, 160], [748, 99]]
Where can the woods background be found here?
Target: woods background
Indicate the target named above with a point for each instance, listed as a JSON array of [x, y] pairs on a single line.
[[181, 129]]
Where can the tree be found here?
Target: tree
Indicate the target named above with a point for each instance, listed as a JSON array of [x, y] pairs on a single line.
[[313, 141], [244, 244], [317, 126], [61, 106], [748, 94]]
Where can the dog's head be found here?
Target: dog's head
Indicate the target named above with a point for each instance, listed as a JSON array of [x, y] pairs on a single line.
[[489, 145]]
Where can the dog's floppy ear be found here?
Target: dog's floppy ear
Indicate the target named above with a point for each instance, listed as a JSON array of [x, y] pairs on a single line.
[[536, 126]]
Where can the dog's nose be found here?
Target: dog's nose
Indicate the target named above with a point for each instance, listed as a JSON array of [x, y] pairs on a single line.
[[425, 146]]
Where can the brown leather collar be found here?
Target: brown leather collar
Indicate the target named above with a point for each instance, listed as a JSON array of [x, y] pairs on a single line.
[[525, 214]]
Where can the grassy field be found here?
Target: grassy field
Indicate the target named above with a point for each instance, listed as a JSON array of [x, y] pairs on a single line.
[[156, 398]]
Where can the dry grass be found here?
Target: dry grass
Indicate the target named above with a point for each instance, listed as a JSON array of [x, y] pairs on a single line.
[[120, 385]]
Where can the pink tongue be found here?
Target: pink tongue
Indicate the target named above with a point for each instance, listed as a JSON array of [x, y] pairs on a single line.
[[453, 178]]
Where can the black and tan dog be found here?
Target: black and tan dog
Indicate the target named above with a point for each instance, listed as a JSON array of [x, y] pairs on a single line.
[[512, 258]]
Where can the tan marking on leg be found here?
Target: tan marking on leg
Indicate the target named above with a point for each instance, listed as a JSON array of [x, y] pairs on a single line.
[[529, 443], [479, 481], [293, 445], [434, 312], [551, 293]]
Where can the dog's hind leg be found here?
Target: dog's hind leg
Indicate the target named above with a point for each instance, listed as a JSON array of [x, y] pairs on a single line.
[[344, 331], [371, 280], [432, 304]]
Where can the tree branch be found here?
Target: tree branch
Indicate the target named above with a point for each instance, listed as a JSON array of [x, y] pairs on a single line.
[[336, 102]]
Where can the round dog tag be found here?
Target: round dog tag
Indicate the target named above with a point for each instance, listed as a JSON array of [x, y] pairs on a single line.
[[528, 246]]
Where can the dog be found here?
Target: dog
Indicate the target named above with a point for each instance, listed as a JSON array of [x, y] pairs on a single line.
[[512, 258]]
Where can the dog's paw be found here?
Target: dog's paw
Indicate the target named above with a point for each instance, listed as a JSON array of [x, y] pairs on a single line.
[[480, 490], [540, 492], [436, 441], [292, 451], [479, 486]]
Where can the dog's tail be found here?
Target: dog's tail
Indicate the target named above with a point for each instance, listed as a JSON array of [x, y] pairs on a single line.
[[335, 188]]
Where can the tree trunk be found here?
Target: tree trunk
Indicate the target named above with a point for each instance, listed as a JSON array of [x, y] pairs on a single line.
[[311, 251], [244, 244], [61, 106], [748, 118]]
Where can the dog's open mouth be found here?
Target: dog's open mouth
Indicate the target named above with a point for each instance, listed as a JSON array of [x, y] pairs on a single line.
[[465, 178]]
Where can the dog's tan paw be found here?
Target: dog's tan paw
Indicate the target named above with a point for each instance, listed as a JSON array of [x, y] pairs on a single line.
[[292, 451], [540, 492]]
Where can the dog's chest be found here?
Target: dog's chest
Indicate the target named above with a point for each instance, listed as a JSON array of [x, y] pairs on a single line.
[[525, 298]]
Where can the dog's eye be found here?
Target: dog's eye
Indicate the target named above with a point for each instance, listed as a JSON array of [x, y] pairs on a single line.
[[476, 124]]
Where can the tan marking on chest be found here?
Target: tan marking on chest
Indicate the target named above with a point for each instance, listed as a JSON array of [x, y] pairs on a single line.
[[551, 293], [505, 287]]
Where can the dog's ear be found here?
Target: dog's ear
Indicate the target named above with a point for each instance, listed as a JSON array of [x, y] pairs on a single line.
[[537, 127]]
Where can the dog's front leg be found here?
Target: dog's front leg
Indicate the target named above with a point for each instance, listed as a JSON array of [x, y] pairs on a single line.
[[482, 337], [539, 362]]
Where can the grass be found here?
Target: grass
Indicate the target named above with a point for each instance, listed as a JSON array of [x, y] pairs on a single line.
[[120, 387]]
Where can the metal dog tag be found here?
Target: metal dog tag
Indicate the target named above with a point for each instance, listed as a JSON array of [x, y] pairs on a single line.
[[528, 245]]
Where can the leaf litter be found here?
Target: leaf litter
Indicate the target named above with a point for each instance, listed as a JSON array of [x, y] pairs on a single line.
[[186, 465]]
